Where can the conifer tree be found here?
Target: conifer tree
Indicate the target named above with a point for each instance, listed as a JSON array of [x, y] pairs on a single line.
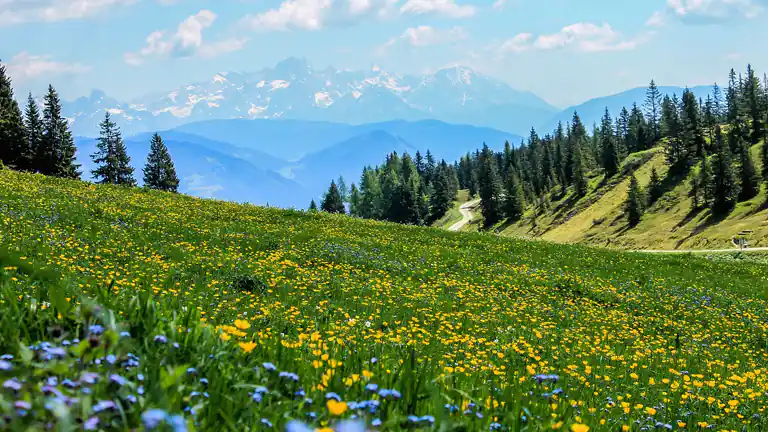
[[754, 106], [610, 158], [705, 182], [749, 178], [13, 143], [489, 188], [717, 102], [159, 171], [635, 204], [655, 187], [56, 154], [725, 186], [653, 111], [332, 202], [342, 186], [695, 193], [515, 200], [111, 157], [371, 200], [692, 133], [354, 200], [312, 206], [33, 126], [732, 98], [442, 197]]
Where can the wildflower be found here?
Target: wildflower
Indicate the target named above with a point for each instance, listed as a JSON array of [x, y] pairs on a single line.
[[269, 367], [242, 324], [335, 407], [91, 424], [161, 339], [96, 329], [153, 418], [578, 427], [246, 346], [5, 365]]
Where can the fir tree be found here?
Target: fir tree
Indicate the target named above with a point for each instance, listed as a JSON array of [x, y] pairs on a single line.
[[655, 186], [33, 126], [515, 200], [692, 133], [705, 182], [332, 202], [354, 200], [442, 196], [754, 106], [635, 204], [371, 200], [749, 178], [342, 186], [159, 171], [312, 206], [490, 188], [56, 154], [653, 110], [610, 157], [13, 143], [717, 102], [725, 186], [111, 157], [732, 98], [695, 193]]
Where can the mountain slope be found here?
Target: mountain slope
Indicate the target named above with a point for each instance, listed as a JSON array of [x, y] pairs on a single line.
[[592, 110], [295, 90]]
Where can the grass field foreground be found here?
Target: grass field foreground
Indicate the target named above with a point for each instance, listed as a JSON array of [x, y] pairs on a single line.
[[153, 311]]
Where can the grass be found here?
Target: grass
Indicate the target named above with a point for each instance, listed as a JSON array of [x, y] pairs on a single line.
[[125, 309], [598, 218], [453, 215]]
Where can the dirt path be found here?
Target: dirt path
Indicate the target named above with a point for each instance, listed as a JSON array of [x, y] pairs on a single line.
[[466, 215], [679, 251]]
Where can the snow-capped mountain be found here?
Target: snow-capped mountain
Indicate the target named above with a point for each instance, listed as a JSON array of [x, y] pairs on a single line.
[[293, 89]]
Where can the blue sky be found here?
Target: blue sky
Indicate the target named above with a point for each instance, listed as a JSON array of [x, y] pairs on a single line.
[[565, 51]]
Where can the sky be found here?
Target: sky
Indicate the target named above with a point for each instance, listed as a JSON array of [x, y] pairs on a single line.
[[565, 51]]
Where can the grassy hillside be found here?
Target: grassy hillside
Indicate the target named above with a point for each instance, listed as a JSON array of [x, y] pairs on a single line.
[[124, 309], [598, 218]]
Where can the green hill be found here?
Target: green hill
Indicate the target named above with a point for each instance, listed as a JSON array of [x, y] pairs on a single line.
[[598, 217], [125, 309]]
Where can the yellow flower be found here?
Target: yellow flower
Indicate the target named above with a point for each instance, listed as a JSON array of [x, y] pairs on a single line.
[[578, 427], [335, 407], [247, 346], [650, 411], [242, 324], [225, 337], [324, 429]]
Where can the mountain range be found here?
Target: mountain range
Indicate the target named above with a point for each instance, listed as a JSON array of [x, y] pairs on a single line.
[[295, 90]]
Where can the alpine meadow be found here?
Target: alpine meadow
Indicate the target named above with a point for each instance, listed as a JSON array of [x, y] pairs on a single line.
[[374, 216]]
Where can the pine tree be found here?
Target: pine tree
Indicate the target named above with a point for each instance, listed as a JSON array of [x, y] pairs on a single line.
[[725, 186], [442, 197], [342, 186], [692, 132], [111, 157], [655, 186], [332, 202], [695, 193], [705, 182], [371, 200], [635, 204], [610, 157], [750, 180], [753, 96], [312, 206], [159, 171], [354, 200], [653, 110], [732, 98], [33, 126], [717, 102], [515, 200], [13, 143], [56, 154], [490, 188]]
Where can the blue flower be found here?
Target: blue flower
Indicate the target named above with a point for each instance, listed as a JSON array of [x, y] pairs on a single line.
[[91, 424], [125, 334], [117, 379], [5, 365], [266, 422], [332, 395], [269, 366], [177, 423], [103, 406], [191, 371], [153, 418], [376, 422], [289, 376], [389, 394], [372, 388], [161, 339], [96, 329], [495, 426], [297, 426], [12, 384]]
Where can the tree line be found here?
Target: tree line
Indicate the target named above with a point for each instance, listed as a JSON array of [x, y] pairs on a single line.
[[42, 143], [404, 189]]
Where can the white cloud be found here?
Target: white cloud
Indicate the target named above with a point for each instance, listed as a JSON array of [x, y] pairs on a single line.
[[658, 19], [703, 11], [582, 37], [425, 36], [23, 11], [24, 67], [439, 7], [315, 14], [187, 41], [499, 4]]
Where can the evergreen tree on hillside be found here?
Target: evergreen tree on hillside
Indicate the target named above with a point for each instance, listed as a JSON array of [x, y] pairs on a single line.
[[442, 195], [342, 186], [111, 157], [732, 98], [653, 111], [692, 133], [622, 132], [706, 182], [515, 200], [390, 195], [312, 206], [635, 204], [655, 186], [725, 184], [710, 119], [33, 127], [159, 172], [56, 154], [610, 157], [671, 129], [371, 200], [332, 202], [695, 193], [490, 188], [749, 178], [717, 102], [754, 105], [354, 200], [13, 144]]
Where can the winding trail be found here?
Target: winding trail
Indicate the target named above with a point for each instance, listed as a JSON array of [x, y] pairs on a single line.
[[466, 215], [679, 251]]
